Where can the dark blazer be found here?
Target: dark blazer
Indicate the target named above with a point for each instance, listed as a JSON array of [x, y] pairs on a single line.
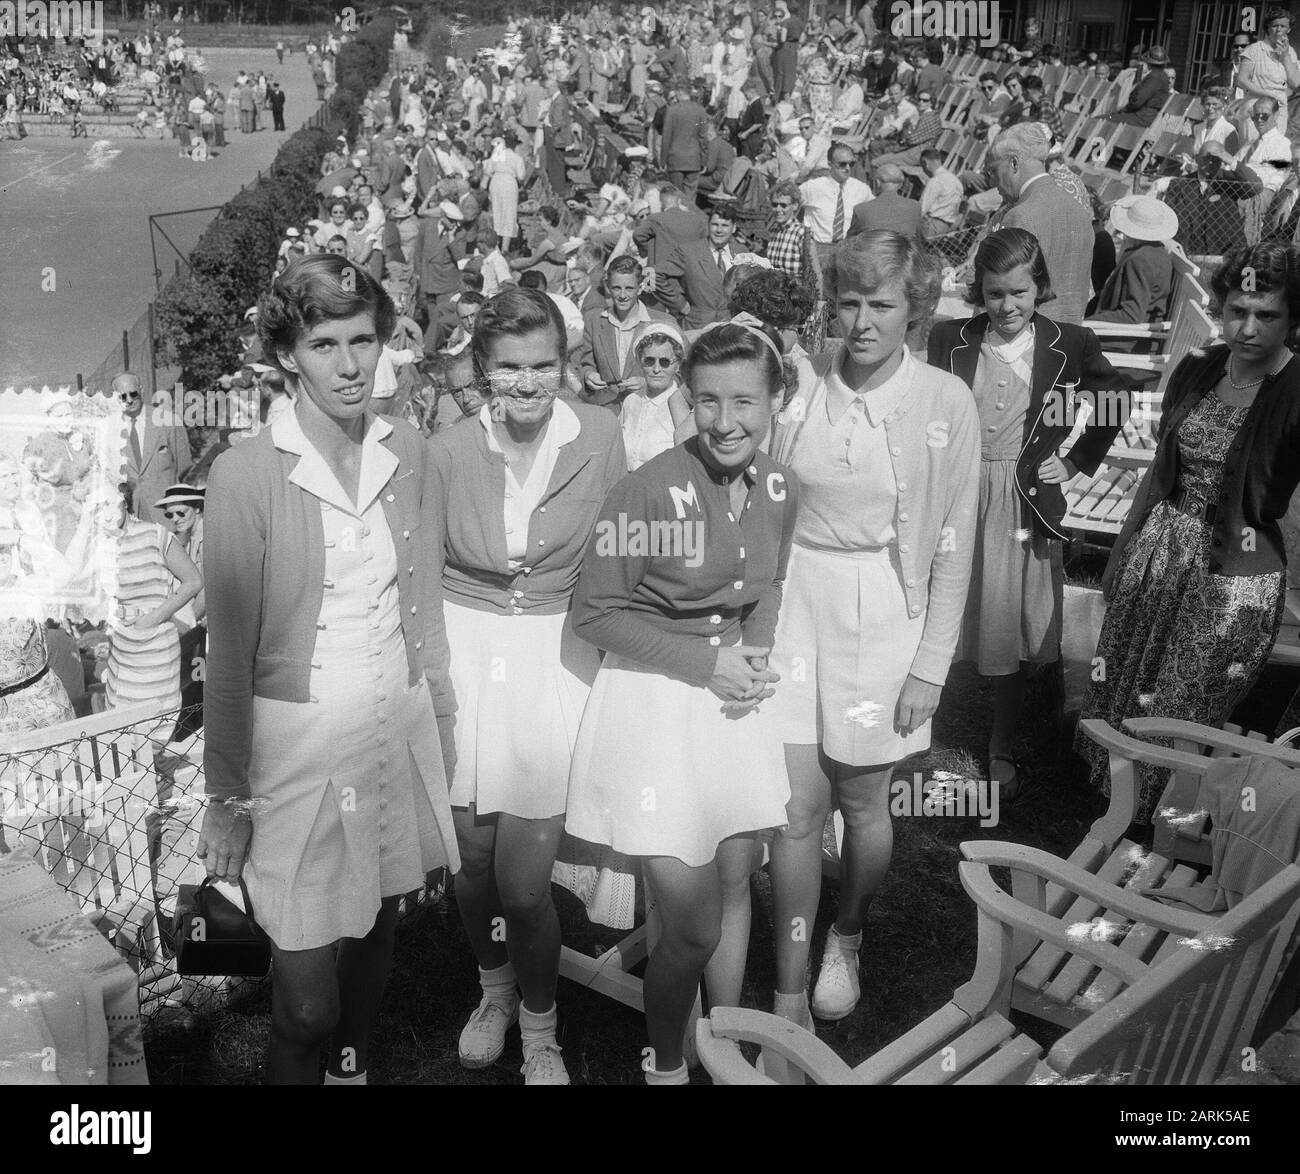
[[889, 210], [164, 456], [1261, 470], [679, 147], [599, 350], [435, 260], [1063, 355], [656, 236], [693, 266], [1138, 290], [1147, 98], [427, 172]]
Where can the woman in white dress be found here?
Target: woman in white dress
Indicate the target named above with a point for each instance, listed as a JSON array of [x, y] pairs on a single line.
[[328, 705], [505, 171], [886, 450]]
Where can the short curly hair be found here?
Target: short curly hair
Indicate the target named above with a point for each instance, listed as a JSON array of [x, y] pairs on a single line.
[[773, 297], [1273, 267], [314, 289]]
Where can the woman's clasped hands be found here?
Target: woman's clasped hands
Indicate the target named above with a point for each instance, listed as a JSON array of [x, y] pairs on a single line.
[[741, 678]]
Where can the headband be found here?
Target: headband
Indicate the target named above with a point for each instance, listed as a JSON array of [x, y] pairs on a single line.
[[750, 323]]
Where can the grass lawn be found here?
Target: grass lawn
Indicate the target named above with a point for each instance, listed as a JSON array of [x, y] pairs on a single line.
[[919, 942]]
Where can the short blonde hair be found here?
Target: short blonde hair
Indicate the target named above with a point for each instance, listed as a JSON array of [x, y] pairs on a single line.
[[871, 259]]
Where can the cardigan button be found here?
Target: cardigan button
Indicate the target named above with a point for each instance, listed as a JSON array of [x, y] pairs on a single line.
[[391, 497], [1033, 492], [541, 509], [902, 517], [715, 640], [413, 611], [407, 535], [904, 549], [418, 645]]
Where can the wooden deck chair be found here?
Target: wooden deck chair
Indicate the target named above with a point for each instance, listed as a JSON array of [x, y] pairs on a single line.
[[1052, 985], [1090, 149], [1286, 649], [1101, 503], [970, 1040], [1053, 81]]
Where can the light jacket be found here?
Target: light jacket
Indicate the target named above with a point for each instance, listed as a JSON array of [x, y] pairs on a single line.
[[264, 573], [934, 449]]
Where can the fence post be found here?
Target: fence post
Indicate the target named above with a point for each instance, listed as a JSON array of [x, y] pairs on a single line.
[[153, 361], [80, 382], [126, 350]]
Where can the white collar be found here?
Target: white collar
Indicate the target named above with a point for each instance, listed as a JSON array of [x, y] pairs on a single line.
[[562, 428], [879, 402], [313, 473]]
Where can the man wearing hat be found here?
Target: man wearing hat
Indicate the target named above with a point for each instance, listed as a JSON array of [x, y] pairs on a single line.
[[1138, 290], [275, 99], [1151, 91], [1209, 217], [439, 249]]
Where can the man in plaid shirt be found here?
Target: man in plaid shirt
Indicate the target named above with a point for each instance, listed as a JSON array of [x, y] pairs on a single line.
[[790, 248], [1038, 109]]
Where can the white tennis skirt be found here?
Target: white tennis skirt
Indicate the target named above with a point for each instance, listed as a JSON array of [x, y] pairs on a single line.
[[659, 770], [844, 647], [521, 685]]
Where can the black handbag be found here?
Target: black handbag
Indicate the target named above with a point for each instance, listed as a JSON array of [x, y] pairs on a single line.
[[213, 936]]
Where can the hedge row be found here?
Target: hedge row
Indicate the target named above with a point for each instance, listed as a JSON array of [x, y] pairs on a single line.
[[201, 310]]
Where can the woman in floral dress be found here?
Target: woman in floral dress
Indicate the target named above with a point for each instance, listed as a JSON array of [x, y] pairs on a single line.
[[1197, 579]]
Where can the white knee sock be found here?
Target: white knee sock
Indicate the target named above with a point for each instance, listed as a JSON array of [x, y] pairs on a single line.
[[358, 1079], [537, 1028], [499, 985], [675, 1076]]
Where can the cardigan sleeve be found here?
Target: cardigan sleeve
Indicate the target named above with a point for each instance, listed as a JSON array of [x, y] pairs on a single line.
[[950, 565], [606, 585], [1099, 433], [437, 652], [234, 551], [759, 627]]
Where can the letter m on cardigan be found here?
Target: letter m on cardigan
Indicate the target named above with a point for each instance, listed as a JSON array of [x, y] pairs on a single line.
[[683, 498]]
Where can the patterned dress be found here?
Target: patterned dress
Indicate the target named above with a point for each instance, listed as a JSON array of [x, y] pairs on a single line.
[[1178, 641], [143, 663], [33, 697]]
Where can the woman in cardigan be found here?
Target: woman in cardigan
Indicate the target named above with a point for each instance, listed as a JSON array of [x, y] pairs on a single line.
[[1021, 367], [327, 701], [886, 451], [520, 488], [663, 770], [1196, 581]]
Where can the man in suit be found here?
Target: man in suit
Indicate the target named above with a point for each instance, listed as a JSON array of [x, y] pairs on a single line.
[[438, 250], [680, 151], [657, 236], [1018, 164], [1150, 94], [427, 171], [605, 360], [890, 209], [275, 99], [691, 276], [157, 448]]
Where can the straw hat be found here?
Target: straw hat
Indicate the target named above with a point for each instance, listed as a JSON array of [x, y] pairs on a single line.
[[1144, 218], [180, 494]]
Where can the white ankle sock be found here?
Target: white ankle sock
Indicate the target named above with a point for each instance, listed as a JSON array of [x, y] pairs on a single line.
[[792, 1007], [359, 1078], [499, 984], [537, 1028], [676, 1076], [837, 940]]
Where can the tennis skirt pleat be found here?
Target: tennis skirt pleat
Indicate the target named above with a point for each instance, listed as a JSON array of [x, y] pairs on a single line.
[[659, 770]]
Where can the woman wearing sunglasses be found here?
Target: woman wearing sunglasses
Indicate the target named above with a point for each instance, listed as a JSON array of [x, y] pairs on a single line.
[[182, 511], [520, 486]]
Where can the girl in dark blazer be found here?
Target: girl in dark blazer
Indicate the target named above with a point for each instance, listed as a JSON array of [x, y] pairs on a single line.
[[1196, 583], [1023, 369]]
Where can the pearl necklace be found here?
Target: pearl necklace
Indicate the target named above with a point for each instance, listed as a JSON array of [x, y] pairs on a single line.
[[1253, 382]]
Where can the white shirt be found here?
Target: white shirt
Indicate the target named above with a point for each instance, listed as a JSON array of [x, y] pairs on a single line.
[[647, 426], [573, 323], [899, 120], [941, 197], [521, 500], [623, 331], [1273, 146], [820, 197]]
